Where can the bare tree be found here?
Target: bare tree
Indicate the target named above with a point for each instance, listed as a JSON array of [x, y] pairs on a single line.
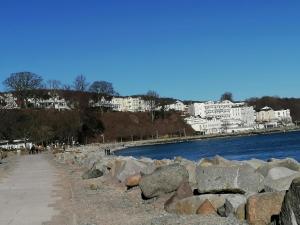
[[22, 82], [152, 101], [102, 87], [80, 83], [54, 84], [227, 96]]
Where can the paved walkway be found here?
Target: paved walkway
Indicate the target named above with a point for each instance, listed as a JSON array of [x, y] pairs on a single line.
[[25, 195]]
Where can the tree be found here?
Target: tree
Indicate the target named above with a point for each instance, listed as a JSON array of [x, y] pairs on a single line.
[[102, 87], [54, 84], [151, 98], [23, 82], [80, 83], [227, 96]]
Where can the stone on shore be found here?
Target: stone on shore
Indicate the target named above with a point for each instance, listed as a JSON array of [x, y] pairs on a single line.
[[184, 191], [190, 205], [163, 180], [133, 180], [290, 212], [279, 179], [262, 207], [289, 163], [235, 205], [230, 179], [92, 173], [206, 208]]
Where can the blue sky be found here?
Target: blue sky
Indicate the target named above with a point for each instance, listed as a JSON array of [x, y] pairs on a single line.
[[183, 49]]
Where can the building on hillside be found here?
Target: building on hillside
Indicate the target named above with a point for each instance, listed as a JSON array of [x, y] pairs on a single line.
[[177, 106], [224, 110], [8, 101], [50, 103], [130, 104], [102, 103], [273, 118], [213, 109], [205, 126]]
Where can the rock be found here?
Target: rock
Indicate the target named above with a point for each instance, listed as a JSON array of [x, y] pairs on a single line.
[[129, 168], [206, 208], [234, 204], [233, 179], [261, 207], [133, 180], [290, 212], [190, 205], [255, 163], [279, 179], [287, 163], [226, 210], [184, 191], [215, 161], [163, 180], [92, 173], [190, 167]]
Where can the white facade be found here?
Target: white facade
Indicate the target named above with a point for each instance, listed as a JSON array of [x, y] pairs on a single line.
[[8, 101], [50, 103], [102, 103], [269, 116], [205, 126], [224, 110], [177, 106], [129, 104], [213, 109]]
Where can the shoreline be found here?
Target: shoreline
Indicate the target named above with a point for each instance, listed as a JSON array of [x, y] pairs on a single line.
[[124, 145]]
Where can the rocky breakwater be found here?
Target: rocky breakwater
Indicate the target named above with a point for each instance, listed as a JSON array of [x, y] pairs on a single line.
[[216, 191]]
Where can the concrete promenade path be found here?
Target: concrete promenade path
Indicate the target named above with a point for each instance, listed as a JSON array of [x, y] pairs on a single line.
[[26, 193]]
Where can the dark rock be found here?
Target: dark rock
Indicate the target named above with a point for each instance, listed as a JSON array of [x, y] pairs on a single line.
[[92, 173], [290, 212], [163, 180]]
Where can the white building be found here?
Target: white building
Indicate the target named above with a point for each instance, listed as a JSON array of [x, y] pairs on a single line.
[[50, 103], [272, 118], [8, 101], [213, 109], [102, 103], [205, 126], [177, 106], [15, 144], [224, 110], [129, 104]]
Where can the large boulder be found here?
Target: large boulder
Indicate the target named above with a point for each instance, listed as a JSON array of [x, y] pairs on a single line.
[[230, 179], [291, 164], [190, 205], [279, 179], [92, 173], [129, 168], [190, 167], [290, 212], [184, 191], [262, 207], [163, 180], [133, 180]]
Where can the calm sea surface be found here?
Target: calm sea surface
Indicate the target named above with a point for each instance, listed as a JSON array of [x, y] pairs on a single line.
[[280, 145]]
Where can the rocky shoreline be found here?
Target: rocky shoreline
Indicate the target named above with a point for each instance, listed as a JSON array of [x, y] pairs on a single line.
[[210, 191]]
